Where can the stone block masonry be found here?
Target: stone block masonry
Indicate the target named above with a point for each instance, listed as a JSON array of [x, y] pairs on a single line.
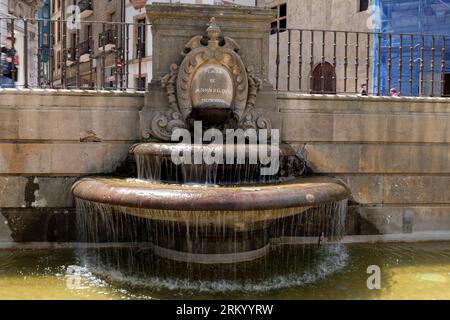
[[49, 138], [394, 153]]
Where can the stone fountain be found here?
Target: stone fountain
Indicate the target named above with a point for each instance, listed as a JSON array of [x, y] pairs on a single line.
[[210, 71]]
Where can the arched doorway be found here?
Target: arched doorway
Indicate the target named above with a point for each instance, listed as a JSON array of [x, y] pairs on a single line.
[[327, 84]]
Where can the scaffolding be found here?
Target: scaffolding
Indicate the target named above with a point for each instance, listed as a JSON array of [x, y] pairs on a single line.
[[413, 43]]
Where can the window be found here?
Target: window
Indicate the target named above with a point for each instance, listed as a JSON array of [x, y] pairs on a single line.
[[74, 40], [88, 39], [89, 32], [46, 13], [281, 22], [73, 49], [57, 30], [58, 60], [363, 5], [141, 35], [53, 28]]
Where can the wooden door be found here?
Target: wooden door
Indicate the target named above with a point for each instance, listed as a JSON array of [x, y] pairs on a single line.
[[325, 84]]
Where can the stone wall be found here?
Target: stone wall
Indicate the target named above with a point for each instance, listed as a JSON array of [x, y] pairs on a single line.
[[393, 153], [47, 140]]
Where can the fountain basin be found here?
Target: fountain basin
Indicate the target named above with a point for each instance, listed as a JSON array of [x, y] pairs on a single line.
[[210, 205], [224, 164], [208, 224], [166, 149]]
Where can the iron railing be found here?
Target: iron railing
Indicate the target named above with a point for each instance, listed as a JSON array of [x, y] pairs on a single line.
[[84, 47], [85, 5], [89, 55], [108, 37], [115, 56], [333, 62]]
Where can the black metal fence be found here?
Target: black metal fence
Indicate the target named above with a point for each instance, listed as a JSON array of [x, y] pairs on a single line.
[[331, 62], [117, 56], [76, 55]]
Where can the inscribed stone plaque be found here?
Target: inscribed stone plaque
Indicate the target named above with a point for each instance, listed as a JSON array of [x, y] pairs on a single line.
[[212, 87]]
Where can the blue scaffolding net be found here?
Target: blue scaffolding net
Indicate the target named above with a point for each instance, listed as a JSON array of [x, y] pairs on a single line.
[[412, 47]]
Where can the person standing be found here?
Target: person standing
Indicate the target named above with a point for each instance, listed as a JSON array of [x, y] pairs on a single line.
[[393, 93], [363, 90], [9, 70]]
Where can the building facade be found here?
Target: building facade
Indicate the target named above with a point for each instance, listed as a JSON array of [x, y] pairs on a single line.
[[87, 38], [111, 46], [11, 24], [140, 69]]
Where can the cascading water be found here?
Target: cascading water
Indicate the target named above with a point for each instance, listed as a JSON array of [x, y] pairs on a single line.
[[210, 249], [155, 163]]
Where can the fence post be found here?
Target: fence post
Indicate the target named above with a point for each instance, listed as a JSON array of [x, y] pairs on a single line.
[[300, 61], [443, 66], [25, 55], [433, 63], [379, 65], [411, 64]]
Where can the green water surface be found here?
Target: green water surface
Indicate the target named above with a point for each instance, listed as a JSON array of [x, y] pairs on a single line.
[[408, 271]]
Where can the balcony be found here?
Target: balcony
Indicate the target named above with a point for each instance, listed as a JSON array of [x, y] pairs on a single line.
[[107, 40], [84, 49], [86, 8]]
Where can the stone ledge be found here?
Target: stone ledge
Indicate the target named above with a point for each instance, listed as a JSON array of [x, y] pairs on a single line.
[[363, 220], [385, 238], [73, 92], [16, 100], [354, 97], [339, 104]]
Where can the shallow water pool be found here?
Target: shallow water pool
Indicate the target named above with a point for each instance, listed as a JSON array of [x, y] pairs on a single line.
[[408, 271]]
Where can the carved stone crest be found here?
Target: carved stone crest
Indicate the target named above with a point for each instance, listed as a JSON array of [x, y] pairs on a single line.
[[211, 83]]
